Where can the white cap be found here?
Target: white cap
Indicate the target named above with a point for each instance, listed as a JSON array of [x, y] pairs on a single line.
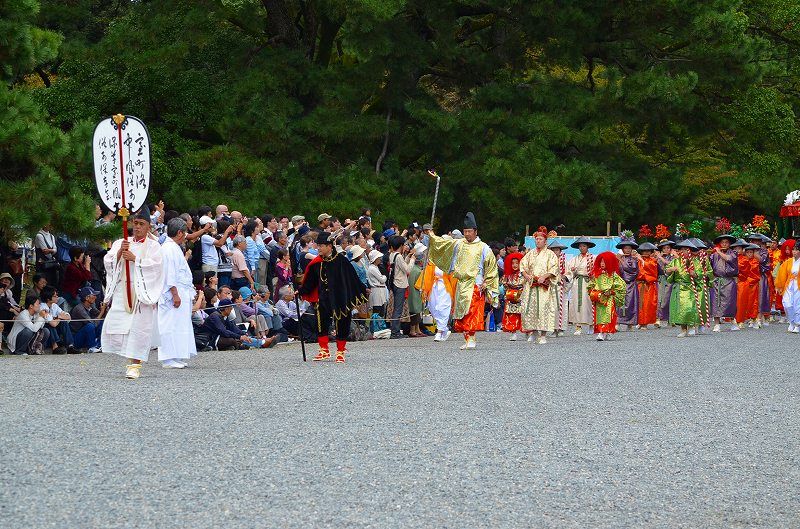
[[375, 254], [205, 219]]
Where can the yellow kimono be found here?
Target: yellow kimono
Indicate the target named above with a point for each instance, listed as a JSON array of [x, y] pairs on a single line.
[[539, 302], [467, 262]]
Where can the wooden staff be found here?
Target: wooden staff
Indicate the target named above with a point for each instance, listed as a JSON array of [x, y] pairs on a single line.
[[123, 212]]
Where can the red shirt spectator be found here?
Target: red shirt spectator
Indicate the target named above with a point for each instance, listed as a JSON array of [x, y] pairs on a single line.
[[78, 271]]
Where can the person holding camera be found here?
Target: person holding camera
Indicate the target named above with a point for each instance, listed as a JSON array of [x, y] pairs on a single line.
[[400, 261], [78, 272]]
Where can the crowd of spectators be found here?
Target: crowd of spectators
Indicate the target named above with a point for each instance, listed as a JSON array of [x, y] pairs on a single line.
[[245, 269]]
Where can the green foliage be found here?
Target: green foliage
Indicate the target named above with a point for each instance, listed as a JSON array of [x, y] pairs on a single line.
[[556, 112]]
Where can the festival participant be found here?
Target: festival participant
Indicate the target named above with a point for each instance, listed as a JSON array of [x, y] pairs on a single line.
[[331, 283], [438, 290], [473, 264], [513, 282], [414, 293], [539, 267], [606, 291], [664, 257], [128, 327], [648, 285], [561, 287], [764, 284], [683, 302], [629, 264], [749, 279], [175, 306], [783, 254], [725, 266], [788, 286], [579, 270], [704, 274]]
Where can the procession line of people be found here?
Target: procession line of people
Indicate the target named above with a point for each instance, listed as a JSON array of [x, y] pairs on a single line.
[[685, 283]]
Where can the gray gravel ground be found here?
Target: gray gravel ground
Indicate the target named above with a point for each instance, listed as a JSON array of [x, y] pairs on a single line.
[[644, 431]]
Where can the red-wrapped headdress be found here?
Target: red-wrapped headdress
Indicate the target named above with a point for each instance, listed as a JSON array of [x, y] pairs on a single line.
[[787, 247], [611, 261], [541, 232], [507, 262]]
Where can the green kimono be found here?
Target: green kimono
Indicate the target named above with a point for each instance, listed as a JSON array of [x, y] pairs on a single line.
[[682, 304], [605, 313], [703, 282]]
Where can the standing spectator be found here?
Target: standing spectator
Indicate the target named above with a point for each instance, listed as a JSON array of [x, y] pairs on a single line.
[[400, 266], [240, 274], [209, 244], [78, 272], [283, 223], [46, 262], [85, 333], [377, 280], [324, 221], [224, 251], [29, 333], [283, 272], [222, 213]]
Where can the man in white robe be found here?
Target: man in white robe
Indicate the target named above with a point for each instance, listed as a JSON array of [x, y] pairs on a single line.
[[130, 328], [175, 305]]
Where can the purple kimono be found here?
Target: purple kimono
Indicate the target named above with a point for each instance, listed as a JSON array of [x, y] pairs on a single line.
[[664, 290], [726, 279], [764, 301], [628, 313]]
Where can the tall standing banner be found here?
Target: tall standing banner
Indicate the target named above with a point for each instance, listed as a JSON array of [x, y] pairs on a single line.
[[121, 153]]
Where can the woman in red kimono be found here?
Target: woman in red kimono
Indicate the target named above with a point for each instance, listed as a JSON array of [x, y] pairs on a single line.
[[749, 280], [648, 285]]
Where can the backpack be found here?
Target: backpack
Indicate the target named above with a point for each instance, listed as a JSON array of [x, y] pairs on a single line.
[[390, 282], [377, 323]]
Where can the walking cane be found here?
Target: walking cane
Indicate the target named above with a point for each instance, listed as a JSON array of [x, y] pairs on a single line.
[[299, 317]]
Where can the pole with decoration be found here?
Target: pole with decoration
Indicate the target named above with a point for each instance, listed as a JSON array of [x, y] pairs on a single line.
[[121, 154]]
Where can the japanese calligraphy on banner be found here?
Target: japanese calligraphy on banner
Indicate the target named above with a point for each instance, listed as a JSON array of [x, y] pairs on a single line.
[[121, 155]]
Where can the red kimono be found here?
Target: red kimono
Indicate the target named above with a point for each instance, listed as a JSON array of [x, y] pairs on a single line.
[[749, 279], [648, 291]]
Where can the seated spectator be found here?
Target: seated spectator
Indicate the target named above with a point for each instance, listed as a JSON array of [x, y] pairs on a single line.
[[247, 316], [225, 335], [86, 334], [8, 308], [106, 216], [283, 273], [287, 308], [78, 272], [211, 298], [211, 280], [39, 282], [202, 337], [58, 321], [265, 308], [29, 333]]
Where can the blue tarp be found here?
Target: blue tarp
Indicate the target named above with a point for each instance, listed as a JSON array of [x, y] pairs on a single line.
[[604, 244]]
